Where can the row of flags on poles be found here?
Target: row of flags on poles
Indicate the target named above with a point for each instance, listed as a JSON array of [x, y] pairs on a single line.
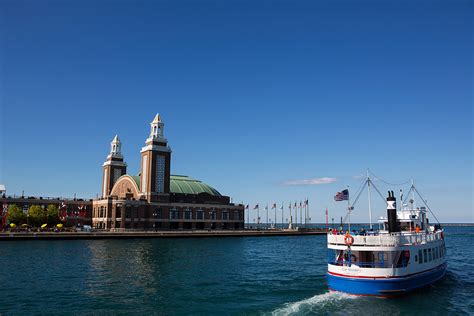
[[274, 205], [340, 196]]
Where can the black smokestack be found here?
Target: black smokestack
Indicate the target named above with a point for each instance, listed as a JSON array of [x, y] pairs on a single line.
[[393, 226]]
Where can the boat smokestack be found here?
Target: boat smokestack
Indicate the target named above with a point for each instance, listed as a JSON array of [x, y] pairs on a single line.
[[393, 226]]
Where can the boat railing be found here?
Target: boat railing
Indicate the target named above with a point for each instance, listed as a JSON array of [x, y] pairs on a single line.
[[378, 264], [390, 240]]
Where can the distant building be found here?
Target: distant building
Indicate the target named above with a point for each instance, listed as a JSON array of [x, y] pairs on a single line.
[[3, 190], [73, 212], [155, 199]]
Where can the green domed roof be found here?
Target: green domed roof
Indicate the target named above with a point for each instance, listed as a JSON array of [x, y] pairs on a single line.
[[186, 185]]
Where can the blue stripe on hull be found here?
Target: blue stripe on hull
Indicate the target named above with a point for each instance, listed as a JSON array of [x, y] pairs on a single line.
[[385, 287]]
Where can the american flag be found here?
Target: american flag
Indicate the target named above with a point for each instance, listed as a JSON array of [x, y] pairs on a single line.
[[342, 196]]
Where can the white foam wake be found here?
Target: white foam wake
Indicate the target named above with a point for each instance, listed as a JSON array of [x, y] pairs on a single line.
[[307, 305]]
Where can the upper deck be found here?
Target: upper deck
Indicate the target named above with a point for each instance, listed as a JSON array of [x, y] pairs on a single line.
[[387, 240]]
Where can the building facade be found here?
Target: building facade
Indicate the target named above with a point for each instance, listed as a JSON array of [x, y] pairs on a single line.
[[155, 199], [72, 211]]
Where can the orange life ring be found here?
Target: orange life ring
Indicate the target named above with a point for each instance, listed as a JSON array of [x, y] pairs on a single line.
[[348, 240]]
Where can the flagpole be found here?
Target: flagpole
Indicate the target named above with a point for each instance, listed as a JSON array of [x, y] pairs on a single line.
[[304, 205], [291, 217], [305, 212], [274, 204], [296, 213], [267, 216], [282, 216], [248, 216], [349, 208], [258, 216], [327, 224], [368, 192], [301, 214]]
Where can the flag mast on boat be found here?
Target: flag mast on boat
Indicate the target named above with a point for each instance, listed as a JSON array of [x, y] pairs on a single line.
[[368, 193]]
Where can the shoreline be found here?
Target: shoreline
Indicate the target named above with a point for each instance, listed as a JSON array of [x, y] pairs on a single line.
[[158, 234]]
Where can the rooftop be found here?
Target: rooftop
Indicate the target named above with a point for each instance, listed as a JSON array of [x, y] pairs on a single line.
[[186, 185]]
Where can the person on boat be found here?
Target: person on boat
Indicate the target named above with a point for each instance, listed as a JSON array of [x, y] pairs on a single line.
[[362, 232], [346, 258], [417, 228]]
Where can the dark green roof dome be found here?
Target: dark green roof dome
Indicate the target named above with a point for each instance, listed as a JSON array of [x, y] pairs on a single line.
[[186, 185]]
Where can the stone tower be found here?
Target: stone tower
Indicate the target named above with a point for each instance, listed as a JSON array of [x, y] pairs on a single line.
[[155, 164], [114, 167]]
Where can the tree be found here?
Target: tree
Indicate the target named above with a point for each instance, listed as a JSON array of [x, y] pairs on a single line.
[[52, 215], [37, 215], [16, 215]]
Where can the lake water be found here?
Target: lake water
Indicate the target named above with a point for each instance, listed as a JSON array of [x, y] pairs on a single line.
[[264, 275]]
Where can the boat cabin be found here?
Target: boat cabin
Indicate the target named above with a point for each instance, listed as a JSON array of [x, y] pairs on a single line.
[[410, 220]]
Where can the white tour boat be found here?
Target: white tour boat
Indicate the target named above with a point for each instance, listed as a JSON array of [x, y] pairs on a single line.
[[405, 254]]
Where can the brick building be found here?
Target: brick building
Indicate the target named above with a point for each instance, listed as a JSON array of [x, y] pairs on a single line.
[[73, 211], [156, 199]]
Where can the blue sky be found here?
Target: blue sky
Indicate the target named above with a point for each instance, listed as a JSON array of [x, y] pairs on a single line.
[[256, 96]]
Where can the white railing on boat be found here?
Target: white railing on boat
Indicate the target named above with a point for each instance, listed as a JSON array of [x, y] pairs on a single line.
[[390, 240]]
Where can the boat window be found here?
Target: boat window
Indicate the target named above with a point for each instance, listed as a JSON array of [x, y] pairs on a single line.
[[429, 254], [407, 226], [436, 252], [416, 258], [425, 256], [420, 255]]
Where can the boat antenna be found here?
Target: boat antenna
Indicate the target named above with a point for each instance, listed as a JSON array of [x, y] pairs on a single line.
[[413, 195]]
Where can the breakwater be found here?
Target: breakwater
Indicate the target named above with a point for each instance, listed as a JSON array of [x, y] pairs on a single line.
[[152, 234]]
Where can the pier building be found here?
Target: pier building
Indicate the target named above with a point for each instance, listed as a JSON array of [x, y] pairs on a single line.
[[154, 199]]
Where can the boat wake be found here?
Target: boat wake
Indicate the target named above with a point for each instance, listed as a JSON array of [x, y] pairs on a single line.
[[319, 303]]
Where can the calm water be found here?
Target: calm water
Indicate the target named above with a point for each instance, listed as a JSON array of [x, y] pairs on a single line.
[[274, 275]]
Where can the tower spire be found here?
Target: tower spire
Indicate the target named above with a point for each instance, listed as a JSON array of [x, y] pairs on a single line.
[[116, 147], [156, 128]]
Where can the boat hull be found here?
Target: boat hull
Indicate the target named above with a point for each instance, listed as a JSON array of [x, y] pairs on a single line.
[[384, 286]]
